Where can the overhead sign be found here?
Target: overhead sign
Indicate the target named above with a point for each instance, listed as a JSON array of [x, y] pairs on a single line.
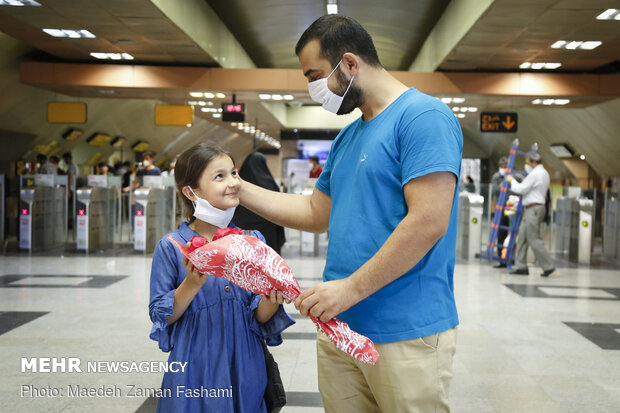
[[233, 112], [498, 121]]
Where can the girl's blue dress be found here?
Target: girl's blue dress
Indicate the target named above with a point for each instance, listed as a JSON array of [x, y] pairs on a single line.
[[218, 336]]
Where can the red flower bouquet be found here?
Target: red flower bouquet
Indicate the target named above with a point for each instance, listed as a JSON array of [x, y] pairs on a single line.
[[251, 264]]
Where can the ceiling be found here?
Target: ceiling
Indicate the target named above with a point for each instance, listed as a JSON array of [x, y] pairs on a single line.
[[459, 35]]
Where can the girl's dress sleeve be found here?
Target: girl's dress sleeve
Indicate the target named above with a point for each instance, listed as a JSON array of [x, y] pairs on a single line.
[[271, 330], [164, 273]]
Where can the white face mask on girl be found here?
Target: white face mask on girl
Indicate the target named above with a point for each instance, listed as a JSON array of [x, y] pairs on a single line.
[[320, 93], [206, 212]]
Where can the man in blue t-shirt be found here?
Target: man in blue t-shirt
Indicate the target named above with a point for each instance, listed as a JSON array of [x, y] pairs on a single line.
[[387, 194]]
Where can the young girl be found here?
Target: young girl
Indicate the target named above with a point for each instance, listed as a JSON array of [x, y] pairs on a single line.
[[207, 322]]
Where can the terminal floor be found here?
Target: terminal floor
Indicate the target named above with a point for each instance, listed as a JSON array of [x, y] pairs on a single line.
[[525, 344]]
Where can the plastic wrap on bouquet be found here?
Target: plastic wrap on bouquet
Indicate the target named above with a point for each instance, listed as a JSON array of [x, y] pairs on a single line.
[[251, 264]]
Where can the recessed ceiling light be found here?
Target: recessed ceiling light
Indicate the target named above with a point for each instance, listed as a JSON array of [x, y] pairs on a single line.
[[458, 100], [195, 94], [573, 45], [276, 97], [74, 34], [209, 95], [288, 97], [539, 65], [589, 45], [217, 115], [559, 44], [220, 95], [582, 157], [264, 96], [113, 56], [446, 100], [332, 7], [460, 115], [609, 14], [19, 3]]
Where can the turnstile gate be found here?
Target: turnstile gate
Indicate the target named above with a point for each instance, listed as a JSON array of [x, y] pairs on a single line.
[[469, 241], [151, 217], [43, 215], [96, 218], [574, 223]]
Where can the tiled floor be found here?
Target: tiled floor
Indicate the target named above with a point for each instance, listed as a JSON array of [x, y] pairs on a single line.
[[525, 344]]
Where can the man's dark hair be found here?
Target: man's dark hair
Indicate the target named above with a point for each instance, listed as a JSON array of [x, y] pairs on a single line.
[[41, 158], [67, 155], [338, 35], [147, 153]]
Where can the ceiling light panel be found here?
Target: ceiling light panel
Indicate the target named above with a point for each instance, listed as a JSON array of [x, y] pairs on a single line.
[[19, 3], [609, 14], [72, 34]]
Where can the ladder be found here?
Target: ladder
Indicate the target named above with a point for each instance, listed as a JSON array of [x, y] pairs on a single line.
[[500, 208]]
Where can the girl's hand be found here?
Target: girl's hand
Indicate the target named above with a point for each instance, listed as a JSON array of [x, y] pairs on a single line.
[[276, 297], [193, 276], [268, 306]]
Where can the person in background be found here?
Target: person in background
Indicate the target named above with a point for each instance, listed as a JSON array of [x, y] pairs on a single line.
[[496, 183], [290, 183], [255, 171], [534, 190], [103, 169], [316, 169], [470, 186], [55, 160], [46, 168], [126, 176], [147, 166], [72, 169]]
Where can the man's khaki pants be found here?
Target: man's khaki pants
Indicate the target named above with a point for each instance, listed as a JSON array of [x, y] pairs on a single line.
[[410, 376]]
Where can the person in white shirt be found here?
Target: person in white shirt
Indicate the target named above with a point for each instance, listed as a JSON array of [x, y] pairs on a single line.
[[534, 190]]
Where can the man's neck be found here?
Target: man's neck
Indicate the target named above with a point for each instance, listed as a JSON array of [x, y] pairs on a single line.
[[381, 90]]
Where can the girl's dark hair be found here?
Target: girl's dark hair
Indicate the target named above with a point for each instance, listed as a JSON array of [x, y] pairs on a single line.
[[338, 35], [189, 168]]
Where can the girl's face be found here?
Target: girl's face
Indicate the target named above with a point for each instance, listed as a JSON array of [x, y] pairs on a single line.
[[219, 183]]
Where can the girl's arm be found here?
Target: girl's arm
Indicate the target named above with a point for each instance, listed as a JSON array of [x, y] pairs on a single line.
[[267, 307], [186, 292]]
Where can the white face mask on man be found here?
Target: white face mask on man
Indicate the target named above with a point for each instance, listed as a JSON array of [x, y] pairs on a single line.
[[206, 212], [528, 168], [502, 171], [320, 93]]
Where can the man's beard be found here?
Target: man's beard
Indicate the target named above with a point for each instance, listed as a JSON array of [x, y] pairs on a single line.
[[353, 99]]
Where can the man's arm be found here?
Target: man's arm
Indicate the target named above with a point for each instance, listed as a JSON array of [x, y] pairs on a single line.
[[429, 200], [307, 213], [521, 188]]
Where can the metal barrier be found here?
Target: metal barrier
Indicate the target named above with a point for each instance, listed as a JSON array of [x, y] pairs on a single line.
[[151, 220], [95, 218], [2, 211], [574, 223], [43, 212], [469, 239], [611, 226]]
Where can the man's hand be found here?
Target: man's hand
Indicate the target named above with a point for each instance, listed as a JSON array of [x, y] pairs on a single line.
[[509, 178], [327, 300]]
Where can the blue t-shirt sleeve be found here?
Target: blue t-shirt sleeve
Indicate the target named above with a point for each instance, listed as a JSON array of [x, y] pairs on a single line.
[[431, 142], [322, 182]]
